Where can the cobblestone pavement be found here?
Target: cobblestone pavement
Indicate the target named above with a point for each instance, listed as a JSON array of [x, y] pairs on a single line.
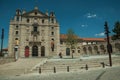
[[95, 74]]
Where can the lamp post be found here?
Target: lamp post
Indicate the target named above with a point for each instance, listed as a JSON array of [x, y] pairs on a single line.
[[109, 46], [2, 37]]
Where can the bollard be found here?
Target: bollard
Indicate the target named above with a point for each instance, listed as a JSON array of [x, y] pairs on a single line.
[[67, 68], [39, 70], [86, 67], [54, 69]]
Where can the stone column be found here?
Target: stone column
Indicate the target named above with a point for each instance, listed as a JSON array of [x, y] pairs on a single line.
[[39, 51]]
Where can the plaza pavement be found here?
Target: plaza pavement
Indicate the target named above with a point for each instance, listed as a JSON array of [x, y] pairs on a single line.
[[18, 71], [93, 74]]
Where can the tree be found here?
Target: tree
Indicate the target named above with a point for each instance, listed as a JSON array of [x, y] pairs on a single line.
[[71, 40], [116, 30]]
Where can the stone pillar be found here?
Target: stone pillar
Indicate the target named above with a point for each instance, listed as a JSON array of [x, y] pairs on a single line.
[[30, 51], [39, 51]]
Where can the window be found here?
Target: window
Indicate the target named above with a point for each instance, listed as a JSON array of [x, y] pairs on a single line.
[[78, 51], [52, 27], [52, 33], [16, 32], [52, 39], [35, 13], [28, 20], [52, 20], [17, 27], [16, 38], [43, 21], [35, 29]]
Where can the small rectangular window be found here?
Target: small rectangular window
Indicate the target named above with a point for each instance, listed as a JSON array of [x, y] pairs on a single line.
[[52, 33], [35, 28], [16, 32], [28, 20], [43, 21]]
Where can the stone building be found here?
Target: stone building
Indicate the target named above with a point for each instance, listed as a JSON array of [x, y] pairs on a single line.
[[33, 33], [36, 34]]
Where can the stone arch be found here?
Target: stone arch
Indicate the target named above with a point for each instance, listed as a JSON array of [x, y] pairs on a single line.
[[78, 49], [85, 50], [102, 48], [35, 50], [96, 49], [73, 49], [117, 46], [90, 49]]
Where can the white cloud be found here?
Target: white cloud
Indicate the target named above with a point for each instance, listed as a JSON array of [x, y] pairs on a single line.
[[100, 34], [89, 15], [84, 25]]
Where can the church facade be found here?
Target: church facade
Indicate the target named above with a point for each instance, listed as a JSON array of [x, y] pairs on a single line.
[[33, 33], [36, 34]]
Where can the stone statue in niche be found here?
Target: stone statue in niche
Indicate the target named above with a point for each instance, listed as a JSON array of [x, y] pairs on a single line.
[[52, 45]]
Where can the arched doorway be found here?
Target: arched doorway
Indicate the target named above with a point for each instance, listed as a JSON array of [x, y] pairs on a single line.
[[102, 48], [85, 50], [35, 50], [67, 51], [96, 50], [42, 51], [26, 51], [117, 47], [90, 49]]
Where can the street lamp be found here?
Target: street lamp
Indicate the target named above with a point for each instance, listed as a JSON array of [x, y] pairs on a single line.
[[109, 46], [2, 37]]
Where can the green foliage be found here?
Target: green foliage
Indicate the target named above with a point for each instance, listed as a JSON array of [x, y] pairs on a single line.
[[71, 38], [116, 30]]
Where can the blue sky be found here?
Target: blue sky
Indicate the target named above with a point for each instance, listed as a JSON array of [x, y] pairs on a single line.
[[85, 17]]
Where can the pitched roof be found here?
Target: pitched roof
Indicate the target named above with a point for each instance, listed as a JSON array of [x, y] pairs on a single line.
[[93, 39], [64, 36], [33, 11]]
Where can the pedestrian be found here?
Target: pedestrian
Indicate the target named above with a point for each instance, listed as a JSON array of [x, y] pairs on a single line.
[[60, 55]]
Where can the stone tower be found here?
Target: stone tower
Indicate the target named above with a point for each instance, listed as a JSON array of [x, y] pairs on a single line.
[[34, 34]]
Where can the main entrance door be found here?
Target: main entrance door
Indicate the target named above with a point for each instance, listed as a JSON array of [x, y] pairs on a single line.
[[26, 51], [42, 51], [35, 50]]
